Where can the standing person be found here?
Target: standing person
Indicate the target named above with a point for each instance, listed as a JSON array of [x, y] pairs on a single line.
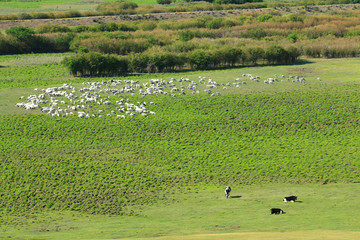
[[227, 191]]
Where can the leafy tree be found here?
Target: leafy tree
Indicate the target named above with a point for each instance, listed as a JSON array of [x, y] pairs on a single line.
[[21, 33], [119, 7], [96, 64], [255, 54], [233, 1], [6, 47], [264, 17], [139, 62], [75, 64], [293, 53], [216, 23], [276, 54], [163, 2], [186, 35], [296, 18], [227, 56], [201, 59], [293, 37], [62, 41], [255, 33]]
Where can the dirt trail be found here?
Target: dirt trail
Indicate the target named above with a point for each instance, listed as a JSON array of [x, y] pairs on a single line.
[[5, 24]]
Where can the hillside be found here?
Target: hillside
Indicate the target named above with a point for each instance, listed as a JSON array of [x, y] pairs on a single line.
[[5, 24], [102, 165], [133, 129]]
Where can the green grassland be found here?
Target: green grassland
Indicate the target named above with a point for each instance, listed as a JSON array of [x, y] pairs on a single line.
[[15, 6], [330, 209], [164, 175]]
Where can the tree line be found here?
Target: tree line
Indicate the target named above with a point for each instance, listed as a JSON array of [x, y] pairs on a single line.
[[20, 40], [96, 64]]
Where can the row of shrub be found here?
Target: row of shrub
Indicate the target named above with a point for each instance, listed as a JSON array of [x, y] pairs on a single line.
[[211, 1], [309, 27], [23, 40], [20, 40], [130, 8], [96, 64], [330, 51]]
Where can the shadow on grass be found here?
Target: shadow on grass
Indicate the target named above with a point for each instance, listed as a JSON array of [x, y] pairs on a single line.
[[182, 70], [299, 62], [235, 196]]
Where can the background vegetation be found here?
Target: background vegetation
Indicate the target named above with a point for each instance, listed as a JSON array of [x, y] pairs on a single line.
[[200, 43], [69, 9]]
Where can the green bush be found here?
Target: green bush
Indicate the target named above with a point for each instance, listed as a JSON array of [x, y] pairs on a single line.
[[264, 17], [200, 59], [163, 2], [119, 7], [62, 41], [94, 64], [147, 25], [21, 33], [255, 33], [53, 28], [139, 62], [293, 37], [215, 23], [187, 35], [275, 54], [255, 54]]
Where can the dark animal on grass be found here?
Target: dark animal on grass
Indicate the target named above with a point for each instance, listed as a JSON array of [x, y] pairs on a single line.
[[227, 191], [290, 199], [276, 211]]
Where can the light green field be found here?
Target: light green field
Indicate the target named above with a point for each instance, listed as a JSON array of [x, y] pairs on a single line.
[[15, 6], [198, 210], [309, 235], [15, 72], [322, 212]]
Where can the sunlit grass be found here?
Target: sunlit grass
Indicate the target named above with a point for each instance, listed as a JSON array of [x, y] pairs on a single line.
[[166, 173], [9, 7], [329, 211]]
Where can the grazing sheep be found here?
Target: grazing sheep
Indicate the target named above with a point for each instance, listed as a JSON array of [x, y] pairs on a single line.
[[100, 93]]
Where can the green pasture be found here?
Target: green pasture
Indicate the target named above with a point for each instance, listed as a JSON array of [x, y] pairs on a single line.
[[329, 210], [163, 176], [16, 6], [9, 7], [30, 71]]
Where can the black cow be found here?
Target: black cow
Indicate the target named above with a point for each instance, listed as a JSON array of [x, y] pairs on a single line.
[[290, 199], [276, 211]]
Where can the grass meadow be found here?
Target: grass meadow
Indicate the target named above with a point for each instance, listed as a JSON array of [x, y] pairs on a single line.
[[323, 212], [163, 176], [15, 6]]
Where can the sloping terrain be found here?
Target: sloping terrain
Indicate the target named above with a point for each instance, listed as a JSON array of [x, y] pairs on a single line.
[[5, 24]]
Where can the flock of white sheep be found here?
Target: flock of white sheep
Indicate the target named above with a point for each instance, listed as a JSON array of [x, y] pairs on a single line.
[[109, 98]]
